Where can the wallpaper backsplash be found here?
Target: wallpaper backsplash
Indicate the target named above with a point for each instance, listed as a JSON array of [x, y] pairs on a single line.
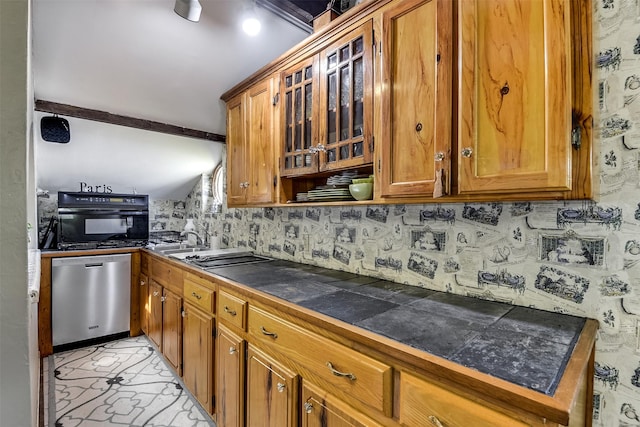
[[578, 257]]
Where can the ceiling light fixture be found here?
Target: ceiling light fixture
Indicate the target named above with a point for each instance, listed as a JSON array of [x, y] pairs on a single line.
[[188, 9], [250, 23]]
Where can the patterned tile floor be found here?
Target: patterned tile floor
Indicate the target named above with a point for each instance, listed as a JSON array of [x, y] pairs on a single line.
[[120, 383]]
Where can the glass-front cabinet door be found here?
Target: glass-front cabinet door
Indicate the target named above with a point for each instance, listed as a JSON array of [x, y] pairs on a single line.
[[299, 97], [346, 110]]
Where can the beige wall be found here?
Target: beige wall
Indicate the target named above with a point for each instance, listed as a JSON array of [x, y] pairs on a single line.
[[18, 367]]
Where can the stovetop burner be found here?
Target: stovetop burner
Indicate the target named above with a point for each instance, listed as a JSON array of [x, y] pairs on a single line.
[[106, 244]]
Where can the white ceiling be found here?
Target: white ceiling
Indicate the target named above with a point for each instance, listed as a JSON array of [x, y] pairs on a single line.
[[138, 58]]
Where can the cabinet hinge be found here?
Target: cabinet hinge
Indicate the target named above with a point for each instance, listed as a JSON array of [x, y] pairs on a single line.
[[576, 137], [373, 40], [372, 144], [276, 98], [213, 401], [438, 58], [275, 181], [379, 167]]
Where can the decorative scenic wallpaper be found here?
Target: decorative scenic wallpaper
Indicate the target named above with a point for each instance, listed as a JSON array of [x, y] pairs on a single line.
[[578, 257]]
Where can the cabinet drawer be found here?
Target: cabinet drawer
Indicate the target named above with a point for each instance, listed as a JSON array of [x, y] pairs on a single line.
[[423, 403], [342, 369], [199, 295], [167, 275], [232, 310]]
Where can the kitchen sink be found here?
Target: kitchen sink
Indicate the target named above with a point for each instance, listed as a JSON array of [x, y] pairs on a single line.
[[209, 262], [215, 258], [175, 248], [181, 251]]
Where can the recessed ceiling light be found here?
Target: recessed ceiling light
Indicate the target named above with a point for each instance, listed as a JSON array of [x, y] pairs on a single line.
[[251, 25]]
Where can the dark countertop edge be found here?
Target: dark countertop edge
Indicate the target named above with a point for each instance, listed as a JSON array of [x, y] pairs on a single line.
[[554, 408]]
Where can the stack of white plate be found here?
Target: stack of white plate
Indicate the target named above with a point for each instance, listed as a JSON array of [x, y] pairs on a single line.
[[343, 179], [330, 194], [302, 197]]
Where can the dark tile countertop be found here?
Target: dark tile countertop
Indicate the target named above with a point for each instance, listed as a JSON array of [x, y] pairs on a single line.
[[525, 346]]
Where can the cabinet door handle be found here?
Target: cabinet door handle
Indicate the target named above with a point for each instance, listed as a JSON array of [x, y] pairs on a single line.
[[184, 313], [466, 152], [280, 387], [435, 421], [439, 156], [418, 127], [231, 312], [271, 334], [340, 374], [193, 294], [232, 350], [142, 283], [163, 299], [308, 407]]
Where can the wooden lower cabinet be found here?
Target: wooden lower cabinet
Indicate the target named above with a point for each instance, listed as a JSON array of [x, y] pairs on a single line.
[[272, 392], [143, 299], [197, 347], [320, 409], [155, 314], [172, 330], [230, 379], [423, 403]]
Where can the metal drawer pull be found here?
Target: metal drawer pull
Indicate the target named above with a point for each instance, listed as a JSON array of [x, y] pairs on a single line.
[[232, 350], [467, 152], [271, 334], [228, 310], [308, 407], [196, 295], [340, 374], [280, 387], [163, 299], [435, 421]]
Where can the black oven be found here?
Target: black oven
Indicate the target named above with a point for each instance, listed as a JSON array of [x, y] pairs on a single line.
[[98, 220]]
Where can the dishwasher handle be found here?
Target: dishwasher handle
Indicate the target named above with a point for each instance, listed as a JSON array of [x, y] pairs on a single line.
[[97, 264]]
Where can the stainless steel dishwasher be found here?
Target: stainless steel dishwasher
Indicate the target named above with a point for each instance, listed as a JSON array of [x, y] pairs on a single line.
[[91, 297]]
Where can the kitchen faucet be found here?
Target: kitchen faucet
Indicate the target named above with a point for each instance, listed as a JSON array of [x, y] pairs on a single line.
[[199, 240]]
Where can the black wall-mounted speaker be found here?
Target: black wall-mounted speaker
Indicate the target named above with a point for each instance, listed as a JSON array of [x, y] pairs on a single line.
[[55, 129]]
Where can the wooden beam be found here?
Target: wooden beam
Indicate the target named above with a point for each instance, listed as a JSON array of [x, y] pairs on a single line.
[[116, 119]]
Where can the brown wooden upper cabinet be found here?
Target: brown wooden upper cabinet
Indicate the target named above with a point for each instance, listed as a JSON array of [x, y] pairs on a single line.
[[299, 93], [415, 124], [473, 100], [251, 171], [514, 96], [328, 107]]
